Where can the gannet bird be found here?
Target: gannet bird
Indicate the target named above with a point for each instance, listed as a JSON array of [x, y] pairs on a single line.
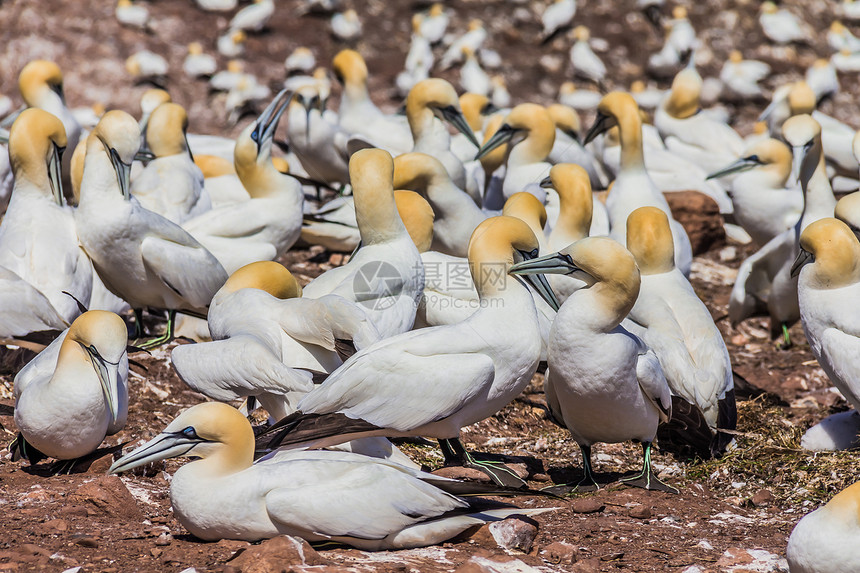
[[197, 64], [473, 38], [419, 59], [384, 277], [848, 210], [430, 104], [500, 96], [764, 279], [556, 16], [300, 60], [568, 148], [41, 85], [266, 339], [473, 78], [821, 541], [346, 26], [780, 25], [38, 239], [578, 99], [133, 15], [633, 188], [822, 79], [470, 369], [671, 320], [434, 23], [149, 101], [141, 256], [763, 202], [828, 277], [603, 383], [741, 77], [678, 46], [840, 38], [146, 65], [389, 506], [709, 143], [232, 43], [225, 80], [266, 225], [74, 393], [529, 209], [846, 61], [648, 97], [457, 216], [358, 115], [171, 184], [529, 132], [584, 61], [253, 18]]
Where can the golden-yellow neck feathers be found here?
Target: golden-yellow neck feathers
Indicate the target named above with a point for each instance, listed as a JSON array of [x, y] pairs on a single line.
[[649, 239], [268, 276]]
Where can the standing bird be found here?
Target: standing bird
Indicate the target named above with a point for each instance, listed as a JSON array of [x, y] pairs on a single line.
[[434, 23], [585, 62], [141, 256], [557, 16], [346, 26], [264, 226], [603, 384], [633, 187], [133, 15], [253, 18], [197, 64], [828, 281], [319, 496], [473, 39], [741, 77], [73, 393], [38, 236], [781, 26], [470, 370], [674, 323]]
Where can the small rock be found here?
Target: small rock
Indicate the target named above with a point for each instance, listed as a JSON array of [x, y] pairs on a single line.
[[734, 556], [37, 494], [515, 532], [640, 512], [521, 470], [612, 556], [560, 553], [586, 566], [85, 540], [33, 549], [54, 526], [700, 217], [478, 564], [739, 340], [233, 546], [156, 552], [734, 500], [457, 472], [586, 505], [73, 511], [163, 539], [109, 496], [272, 555], [543, 478], [763, 498], [100, 466]]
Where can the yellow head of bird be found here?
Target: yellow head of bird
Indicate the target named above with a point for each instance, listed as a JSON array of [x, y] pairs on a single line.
[[649, 239], [38, 78], [165, 132], [801, 98], [832, 251], [527, 207], [349, 68], [37, 140], [417, 216], [267, 276]]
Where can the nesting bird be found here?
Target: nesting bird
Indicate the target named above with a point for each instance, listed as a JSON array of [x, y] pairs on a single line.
[[74, 393]]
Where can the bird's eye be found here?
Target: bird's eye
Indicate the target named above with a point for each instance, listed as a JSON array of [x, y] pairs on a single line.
[[534, 253], [754, 158], [255, 136], [190, 432], [94, 351]]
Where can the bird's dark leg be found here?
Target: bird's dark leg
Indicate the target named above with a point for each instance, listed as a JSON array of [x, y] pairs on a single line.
[[647, 479], [138, 323], [456, 455], [587, 483], [164, 338], [786, 339]]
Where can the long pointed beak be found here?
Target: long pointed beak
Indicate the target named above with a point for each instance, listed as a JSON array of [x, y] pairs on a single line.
[[455, 117], [267, 123], [798, 154], [108, 374], [502, 136], [553, 264], [123, 174], [546, 183], [541, 286], [601, 125], [803, 257], [742, 164], [161, 447], [54, 175]]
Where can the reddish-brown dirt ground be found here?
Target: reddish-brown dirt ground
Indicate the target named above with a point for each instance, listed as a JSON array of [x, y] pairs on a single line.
[[125, 524]]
